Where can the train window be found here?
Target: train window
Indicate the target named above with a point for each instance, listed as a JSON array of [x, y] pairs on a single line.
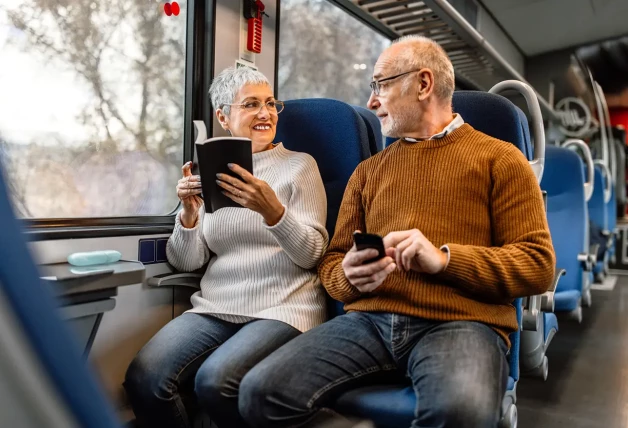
[[325, 52], [92, 104]]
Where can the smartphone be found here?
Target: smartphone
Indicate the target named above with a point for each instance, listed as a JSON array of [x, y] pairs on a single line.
[[364, 241]]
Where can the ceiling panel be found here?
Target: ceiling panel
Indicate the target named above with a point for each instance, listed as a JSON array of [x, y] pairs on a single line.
[[539, 26]]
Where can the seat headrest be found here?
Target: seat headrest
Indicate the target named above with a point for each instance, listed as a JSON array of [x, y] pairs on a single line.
[[334, 134], [35, 309], [493, 115], [373, 128]]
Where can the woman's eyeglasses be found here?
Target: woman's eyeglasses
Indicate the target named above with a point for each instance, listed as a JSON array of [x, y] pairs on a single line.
[[256, 106]]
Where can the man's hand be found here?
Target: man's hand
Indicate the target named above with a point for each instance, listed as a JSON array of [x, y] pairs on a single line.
[[412, 250], [367, 278]]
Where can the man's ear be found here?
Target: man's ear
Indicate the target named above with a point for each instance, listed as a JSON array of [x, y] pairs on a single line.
[[426, 84], [222, 119]]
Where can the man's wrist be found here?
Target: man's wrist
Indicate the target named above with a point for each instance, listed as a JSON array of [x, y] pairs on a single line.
[[447, 255]]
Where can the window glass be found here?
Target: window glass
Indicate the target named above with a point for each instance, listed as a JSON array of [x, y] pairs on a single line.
[[91, 111], [325, 52]]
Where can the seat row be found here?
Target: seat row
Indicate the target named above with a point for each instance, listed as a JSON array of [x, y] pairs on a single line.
[[350, 136]]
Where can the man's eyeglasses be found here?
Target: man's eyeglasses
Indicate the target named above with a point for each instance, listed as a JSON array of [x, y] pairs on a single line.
[[255, 106], [375, 84]]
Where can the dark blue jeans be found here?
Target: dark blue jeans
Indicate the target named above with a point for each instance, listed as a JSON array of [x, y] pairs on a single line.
[[458, 370], [198, 354]]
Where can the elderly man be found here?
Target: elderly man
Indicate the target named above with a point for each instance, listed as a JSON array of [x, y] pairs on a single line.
[[465, 233]]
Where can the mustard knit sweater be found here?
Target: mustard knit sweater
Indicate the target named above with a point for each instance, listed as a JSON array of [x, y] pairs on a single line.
[[474, 193]]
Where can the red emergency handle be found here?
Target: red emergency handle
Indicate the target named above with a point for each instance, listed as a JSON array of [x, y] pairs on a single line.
[[254, 38]]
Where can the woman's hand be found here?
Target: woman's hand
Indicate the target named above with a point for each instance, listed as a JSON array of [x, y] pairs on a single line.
[[188, 189], [253, 194]]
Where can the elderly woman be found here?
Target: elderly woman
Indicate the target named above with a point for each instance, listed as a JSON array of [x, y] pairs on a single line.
[[259, 290]]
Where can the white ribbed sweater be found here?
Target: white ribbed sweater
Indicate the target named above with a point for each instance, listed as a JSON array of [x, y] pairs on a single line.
[[258, 271]]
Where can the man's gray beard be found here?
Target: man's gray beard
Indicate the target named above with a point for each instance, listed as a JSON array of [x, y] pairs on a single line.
[[395, 128]]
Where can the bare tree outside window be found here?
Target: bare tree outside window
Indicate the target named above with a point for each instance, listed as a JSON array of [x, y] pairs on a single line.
[[325, 53], [91, 116]]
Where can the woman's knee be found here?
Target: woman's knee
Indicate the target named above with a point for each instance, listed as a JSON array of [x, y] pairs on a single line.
[[145, 380]]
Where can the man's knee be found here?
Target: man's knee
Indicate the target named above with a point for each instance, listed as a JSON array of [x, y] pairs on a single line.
[[473, 409], [252, 401], [262, 401], [462, 405]]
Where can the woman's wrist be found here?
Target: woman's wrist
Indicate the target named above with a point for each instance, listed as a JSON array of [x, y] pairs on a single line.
[[188, 220], [273, 217]]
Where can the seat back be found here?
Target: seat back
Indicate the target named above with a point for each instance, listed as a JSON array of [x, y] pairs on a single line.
[[611, 210], [563, 181], [334, 134], [32, 326], [496, 116], [373, 128], [338, 147], [596, 205]]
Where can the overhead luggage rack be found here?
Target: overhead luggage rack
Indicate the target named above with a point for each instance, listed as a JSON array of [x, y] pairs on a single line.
[[472, 56]]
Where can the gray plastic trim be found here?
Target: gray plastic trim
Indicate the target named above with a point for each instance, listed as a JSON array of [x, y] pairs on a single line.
[[588, 185], [538, 131], [472, 55], [609, 181], [182, 279], [605, 126]]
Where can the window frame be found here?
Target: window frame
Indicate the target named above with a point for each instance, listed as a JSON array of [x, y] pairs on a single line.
[[199, 71], [347, 7]]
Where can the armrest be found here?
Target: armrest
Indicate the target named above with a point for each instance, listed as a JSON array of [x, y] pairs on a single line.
[[547, 298], [184, 279], [531, 313], [611, 237], [589, 259], [593, 249], [543, 302]]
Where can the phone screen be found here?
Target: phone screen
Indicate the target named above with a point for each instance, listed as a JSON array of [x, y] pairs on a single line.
[[364, 241]]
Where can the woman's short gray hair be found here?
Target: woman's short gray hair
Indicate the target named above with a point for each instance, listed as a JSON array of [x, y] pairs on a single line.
[[425, 52], [226, 85]]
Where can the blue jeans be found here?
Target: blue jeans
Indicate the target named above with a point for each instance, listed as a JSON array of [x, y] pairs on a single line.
[[198, 354], [458, 371]]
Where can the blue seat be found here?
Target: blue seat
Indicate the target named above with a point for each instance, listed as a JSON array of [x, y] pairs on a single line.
[[611, 212], [596, 205], [598, 214], [338, 148], [373, 128], [49, 342], [393, 405], [563, 181]]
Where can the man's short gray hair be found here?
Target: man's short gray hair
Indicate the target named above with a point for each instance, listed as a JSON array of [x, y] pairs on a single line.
[[226, 85], [423, 52]]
